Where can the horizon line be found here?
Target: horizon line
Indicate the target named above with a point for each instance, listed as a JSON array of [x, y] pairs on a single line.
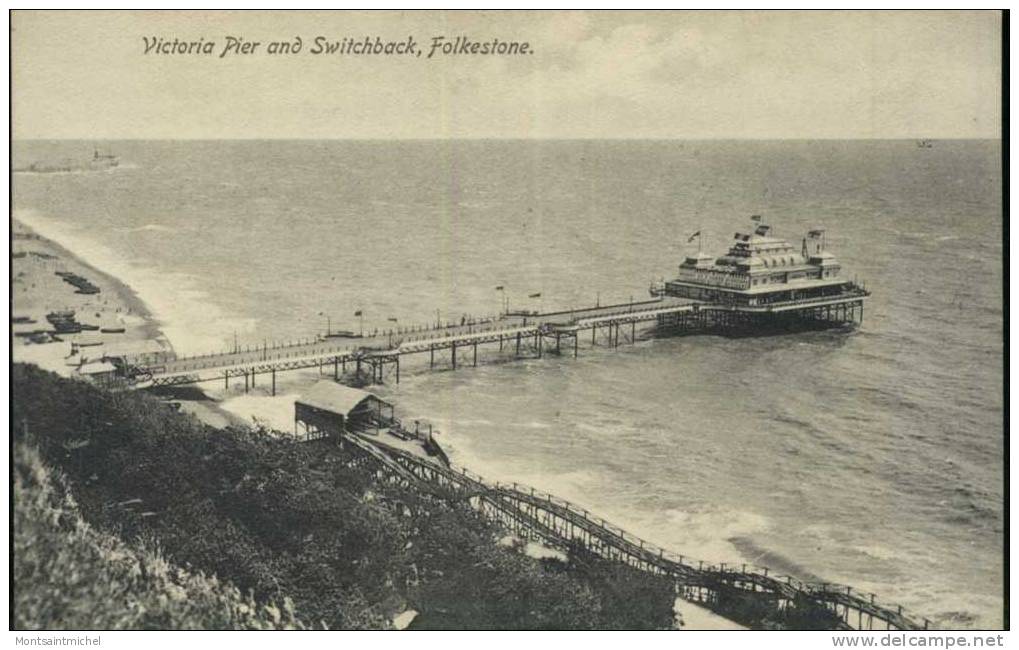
[[511, 139]]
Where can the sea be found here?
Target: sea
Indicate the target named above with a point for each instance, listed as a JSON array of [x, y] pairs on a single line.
[[872, 458]]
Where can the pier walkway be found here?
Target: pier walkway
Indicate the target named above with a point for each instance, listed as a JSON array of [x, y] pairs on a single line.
[[525, 333], [532, 514]]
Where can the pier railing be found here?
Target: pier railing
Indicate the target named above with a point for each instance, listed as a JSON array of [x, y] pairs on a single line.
[[391, 345], [561, 524], [353, 341]]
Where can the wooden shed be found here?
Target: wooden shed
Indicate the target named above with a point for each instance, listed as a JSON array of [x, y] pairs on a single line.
[[329, 409]]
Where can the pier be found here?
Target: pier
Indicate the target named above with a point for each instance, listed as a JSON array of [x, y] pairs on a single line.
[[763, 284], [554, 522], [378, 358]]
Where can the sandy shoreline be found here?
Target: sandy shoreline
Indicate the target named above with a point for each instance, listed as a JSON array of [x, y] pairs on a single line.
[[22, 234], [38, 290], [112, 315]]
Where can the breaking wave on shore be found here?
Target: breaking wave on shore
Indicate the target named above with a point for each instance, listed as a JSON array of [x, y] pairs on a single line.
[[184, 313]]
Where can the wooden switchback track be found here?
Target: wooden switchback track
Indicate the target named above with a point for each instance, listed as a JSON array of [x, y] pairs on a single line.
[[559, 524]]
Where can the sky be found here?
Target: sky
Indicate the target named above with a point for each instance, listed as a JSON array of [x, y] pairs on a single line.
[[664, 74]]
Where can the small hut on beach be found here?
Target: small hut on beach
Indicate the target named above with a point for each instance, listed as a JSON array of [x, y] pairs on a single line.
[[329, 409]]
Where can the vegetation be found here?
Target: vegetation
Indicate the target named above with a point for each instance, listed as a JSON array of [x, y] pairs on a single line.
[[284, 522], [70, 576]]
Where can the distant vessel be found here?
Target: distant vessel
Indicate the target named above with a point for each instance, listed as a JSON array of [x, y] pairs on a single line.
[[103, 160], [925, 144], [342, 334], [98, 162]]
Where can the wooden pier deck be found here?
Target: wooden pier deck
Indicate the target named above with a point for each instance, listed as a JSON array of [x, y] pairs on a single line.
[[381, 353], [526, 334], [532, 514]]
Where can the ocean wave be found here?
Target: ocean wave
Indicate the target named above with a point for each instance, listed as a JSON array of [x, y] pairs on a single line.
[[710, 534], [950, 608], [275, 413], [149, 227], [68, 172], [763, 557], [882, 553]]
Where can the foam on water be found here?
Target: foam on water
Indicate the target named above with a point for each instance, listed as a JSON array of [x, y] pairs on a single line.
[[262, 410], [189, 319]]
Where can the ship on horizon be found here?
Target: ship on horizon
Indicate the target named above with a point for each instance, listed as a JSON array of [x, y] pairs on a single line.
[[98, 162]]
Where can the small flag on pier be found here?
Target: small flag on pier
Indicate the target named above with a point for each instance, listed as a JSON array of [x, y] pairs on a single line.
[[694, 236], [391, 319], [756, 218], [357, 313], [500, 288], [535, 295]]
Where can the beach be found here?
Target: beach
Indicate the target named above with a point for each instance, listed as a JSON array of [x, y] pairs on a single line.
[[117, 313], [38, 290]]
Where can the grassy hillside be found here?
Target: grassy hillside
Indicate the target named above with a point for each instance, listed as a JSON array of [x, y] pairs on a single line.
[[70, 576], [283, 520]]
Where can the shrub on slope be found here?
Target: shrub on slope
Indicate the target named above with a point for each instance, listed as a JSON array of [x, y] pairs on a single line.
[[69, 576]]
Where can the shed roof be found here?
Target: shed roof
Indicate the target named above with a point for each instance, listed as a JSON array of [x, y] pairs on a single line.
[[331, 396]]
